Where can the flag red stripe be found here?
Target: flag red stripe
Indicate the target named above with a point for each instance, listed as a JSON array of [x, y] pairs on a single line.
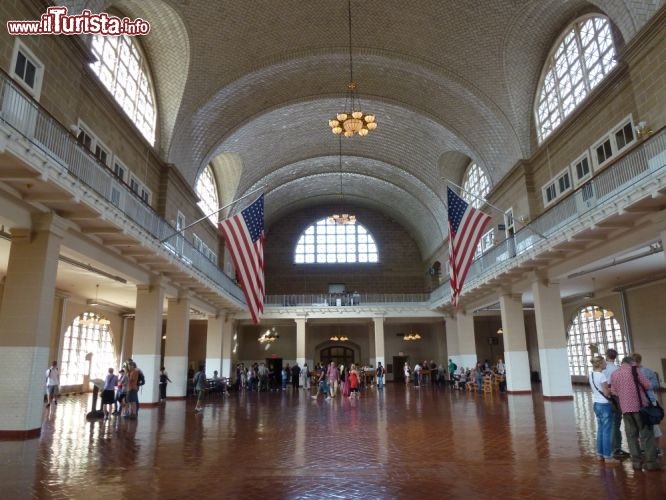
[[248, 261]]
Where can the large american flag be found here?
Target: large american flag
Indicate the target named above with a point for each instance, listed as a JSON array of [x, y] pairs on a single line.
[[466, 225], [244, 236]]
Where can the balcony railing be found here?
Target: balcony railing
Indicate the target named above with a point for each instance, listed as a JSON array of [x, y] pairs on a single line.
[[27, 117], [633, 171], [345, 299]]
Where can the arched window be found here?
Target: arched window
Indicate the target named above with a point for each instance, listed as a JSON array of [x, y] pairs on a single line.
[[207, 191], [87, 350], [476, 185], [593, 330], [327, 242], [122, 69], [582, 57]]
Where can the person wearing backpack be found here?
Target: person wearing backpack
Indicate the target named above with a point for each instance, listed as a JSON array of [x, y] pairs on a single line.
[[380, 376]]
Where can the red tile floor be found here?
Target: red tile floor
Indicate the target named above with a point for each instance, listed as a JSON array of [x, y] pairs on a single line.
[[399, 443]]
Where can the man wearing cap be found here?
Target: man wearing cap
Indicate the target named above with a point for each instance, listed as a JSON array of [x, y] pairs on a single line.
[[629, 385]]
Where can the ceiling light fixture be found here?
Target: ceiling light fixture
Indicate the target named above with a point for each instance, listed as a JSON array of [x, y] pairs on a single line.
[[354, 121], [341, 218], [412, 336], [269, 336]]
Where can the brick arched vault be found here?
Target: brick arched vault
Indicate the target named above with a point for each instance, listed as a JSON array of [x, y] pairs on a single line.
[[442, 77]]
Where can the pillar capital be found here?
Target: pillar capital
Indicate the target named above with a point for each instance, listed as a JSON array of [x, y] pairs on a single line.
[[50, 222]]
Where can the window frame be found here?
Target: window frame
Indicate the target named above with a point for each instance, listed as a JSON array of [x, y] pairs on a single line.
[[142, 192], [36, 89], [551, 108], [95, 145], [138, 116], [578, 181], [320, 243], [610, 138], [474, 194], [556, 182]]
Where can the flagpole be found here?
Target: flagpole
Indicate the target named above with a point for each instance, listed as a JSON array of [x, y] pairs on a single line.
[[492, 206], [212, 213]]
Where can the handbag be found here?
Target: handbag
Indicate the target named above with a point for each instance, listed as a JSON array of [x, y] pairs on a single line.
[[612, 399], [652, 414]]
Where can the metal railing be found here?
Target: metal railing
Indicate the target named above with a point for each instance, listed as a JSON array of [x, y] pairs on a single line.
[[635, 170], [345, 299], [28, 118]]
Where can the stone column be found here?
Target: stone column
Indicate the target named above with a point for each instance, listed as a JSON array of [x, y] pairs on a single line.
[[176, 346], [515, 344], [300, 341], [451, 324], [26, 316], [466, 340], [551, 335], [379, 342], [147, 340], [227, 347], [214, 345]]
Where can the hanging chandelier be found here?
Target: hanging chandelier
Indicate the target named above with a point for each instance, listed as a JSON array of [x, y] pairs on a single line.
[[269, 336], [341, 338], [92, 320], [352, 121], [412, 336], [341, 218]]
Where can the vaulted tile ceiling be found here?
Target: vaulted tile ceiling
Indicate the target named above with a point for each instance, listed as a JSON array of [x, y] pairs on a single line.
[[449, 82]]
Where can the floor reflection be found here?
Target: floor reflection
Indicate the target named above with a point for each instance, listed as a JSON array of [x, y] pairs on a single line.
[[391, 444]]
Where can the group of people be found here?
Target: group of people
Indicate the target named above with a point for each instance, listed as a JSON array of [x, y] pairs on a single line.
[[472, 378], [618, 394], [120, 393], [333, 380], [458, 378]]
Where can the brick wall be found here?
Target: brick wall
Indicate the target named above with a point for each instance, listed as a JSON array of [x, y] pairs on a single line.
[[399, 270]]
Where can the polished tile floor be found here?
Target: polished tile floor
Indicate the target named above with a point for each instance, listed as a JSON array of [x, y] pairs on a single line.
[[399, 443]]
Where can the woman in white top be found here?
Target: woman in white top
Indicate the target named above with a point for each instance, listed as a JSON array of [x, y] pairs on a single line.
[[603, 411]]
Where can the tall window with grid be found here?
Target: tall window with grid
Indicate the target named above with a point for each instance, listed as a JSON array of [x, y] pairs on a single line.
[[593, 330], [476, 186], [122, 69], [85, 338], [327, 242], [582, 57], [207, 191]]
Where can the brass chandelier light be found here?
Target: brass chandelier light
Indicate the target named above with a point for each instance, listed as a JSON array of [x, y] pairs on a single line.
[[352, 121], [341, 218]]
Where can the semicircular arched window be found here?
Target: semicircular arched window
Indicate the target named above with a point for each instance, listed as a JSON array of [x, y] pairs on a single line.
[[121, 67], [328, 242], [592, 331], [206, 189], [87, 349], [583, 55], [476, 186]]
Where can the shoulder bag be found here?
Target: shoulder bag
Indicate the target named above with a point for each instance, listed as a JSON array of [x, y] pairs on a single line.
[[652, 414]]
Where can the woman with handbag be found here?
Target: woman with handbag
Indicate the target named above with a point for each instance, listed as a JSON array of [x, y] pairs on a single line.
[[603, 411]]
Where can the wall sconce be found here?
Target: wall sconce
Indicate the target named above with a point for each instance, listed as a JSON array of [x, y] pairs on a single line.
[[642, 130], [500, 331]]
